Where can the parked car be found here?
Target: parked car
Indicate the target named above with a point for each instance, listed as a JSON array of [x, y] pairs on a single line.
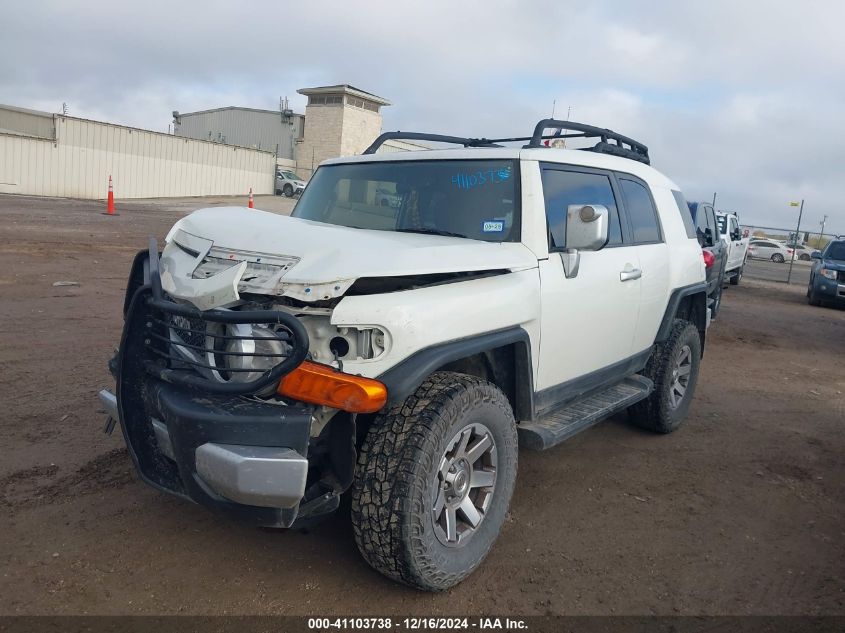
[[827, 276], [736, 244], [288, 183], [768, 249], [714, 250], [270, 364], [801, 252]]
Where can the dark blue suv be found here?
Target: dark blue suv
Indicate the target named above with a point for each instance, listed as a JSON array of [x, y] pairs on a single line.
[[827, 277]]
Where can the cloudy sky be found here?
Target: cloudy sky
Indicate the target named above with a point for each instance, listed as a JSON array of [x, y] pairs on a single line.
[[738, 97]]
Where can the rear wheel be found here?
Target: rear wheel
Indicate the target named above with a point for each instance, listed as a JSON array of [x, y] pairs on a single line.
[[278, 192], [434, 480], [804, 257], [777, 258], [673, 366]]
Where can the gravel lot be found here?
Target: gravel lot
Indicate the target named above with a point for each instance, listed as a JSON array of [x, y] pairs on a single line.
[[742, 511]]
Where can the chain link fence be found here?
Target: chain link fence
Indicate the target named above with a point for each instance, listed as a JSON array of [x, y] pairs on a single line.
[[780, 254]]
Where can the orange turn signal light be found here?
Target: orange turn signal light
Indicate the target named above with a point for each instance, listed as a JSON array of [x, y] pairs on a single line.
[[321, 384]]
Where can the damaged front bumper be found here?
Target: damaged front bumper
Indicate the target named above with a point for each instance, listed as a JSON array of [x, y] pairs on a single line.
[[226, 450]]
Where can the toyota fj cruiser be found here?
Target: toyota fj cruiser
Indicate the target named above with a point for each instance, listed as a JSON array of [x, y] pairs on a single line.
[[512, 296]]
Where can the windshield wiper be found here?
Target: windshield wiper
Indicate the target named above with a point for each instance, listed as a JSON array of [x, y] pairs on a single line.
[[431, 232]]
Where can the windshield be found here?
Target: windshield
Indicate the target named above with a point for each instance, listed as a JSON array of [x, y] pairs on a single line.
[[835, 250], [723, 223], [289, 175], [476, 199]]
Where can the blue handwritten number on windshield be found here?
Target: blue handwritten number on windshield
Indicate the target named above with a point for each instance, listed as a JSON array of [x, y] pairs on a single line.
[[476, 179]]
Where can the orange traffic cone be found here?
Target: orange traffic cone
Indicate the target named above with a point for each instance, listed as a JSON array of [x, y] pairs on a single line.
[[110, 200], [251, 204]]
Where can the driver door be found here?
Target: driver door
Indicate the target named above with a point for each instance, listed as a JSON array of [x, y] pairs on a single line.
[[588, 320]]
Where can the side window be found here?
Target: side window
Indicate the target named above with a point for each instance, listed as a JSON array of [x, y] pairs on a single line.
[[734, 227], [711, 224], [701, 224], [684, 210], [641, 212], [562, 188]]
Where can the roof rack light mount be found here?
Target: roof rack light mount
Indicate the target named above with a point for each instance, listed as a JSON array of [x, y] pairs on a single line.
[[634, 150]]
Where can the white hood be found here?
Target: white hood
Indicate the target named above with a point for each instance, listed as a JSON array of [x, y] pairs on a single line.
[[318, 254]]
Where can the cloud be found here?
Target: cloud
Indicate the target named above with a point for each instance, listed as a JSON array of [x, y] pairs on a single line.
[[742, 98]]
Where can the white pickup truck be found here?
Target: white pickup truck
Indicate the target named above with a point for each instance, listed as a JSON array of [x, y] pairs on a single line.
[[737, 245]]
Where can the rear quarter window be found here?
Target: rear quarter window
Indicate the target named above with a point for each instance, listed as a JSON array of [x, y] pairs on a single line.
[[641, 212], [686, 216]]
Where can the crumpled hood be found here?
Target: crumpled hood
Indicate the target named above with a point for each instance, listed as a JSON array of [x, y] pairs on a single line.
[[333, 257], [328, 253]]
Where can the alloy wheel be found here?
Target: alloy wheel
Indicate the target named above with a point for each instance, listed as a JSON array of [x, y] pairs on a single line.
[[680, 376], [466, 481]]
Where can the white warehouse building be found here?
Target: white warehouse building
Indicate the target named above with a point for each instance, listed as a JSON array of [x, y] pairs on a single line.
[[221, 151], [270, 130]]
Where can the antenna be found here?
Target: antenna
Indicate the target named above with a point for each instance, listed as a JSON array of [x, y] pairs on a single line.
[[568, 112], [286, 112]]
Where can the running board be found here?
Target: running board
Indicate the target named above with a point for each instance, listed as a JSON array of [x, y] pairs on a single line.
[[581, 414]]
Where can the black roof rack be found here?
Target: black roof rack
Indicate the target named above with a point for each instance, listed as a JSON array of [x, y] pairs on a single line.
[[634, 150], [424, 136]]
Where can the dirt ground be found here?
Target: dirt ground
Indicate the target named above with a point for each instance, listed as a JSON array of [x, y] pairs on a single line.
[[742, 511]]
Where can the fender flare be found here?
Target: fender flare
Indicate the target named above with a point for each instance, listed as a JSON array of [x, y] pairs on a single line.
[[672, 308], [404, 378]]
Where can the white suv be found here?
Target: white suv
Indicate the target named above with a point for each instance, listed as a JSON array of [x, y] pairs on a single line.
[[403, 351]]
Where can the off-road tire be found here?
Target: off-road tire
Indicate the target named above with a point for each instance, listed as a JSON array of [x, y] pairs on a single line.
[[656, 413], [397, 470], [735, 279], [288, 191]]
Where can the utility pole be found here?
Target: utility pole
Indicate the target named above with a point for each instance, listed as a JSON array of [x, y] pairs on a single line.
[[797, 231], [821, 235]]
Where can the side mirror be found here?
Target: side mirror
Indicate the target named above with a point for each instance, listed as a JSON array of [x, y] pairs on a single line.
[[816, 254], [587, 227]]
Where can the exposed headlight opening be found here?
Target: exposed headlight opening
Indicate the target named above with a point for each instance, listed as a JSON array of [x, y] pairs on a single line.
[[247, 347]]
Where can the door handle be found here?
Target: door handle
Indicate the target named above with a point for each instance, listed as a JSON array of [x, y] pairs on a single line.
[[628, 275]]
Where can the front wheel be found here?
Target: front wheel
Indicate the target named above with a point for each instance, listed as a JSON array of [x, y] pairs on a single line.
[[288, 191], [735, 279], [673, 366], [434, 480], [812, 297]]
